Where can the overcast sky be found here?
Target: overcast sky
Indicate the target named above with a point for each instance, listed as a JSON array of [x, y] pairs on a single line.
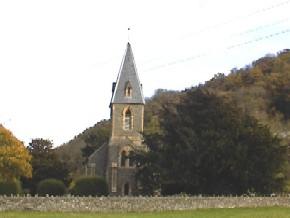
[[59, 58]]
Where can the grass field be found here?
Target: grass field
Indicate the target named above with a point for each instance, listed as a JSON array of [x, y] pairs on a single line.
[[272, 212]]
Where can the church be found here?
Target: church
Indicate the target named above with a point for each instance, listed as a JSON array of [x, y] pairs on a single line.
[[112, 159]]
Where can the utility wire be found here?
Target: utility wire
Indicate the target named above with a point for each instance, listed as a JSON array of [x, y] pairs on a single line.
[[261, 27], [229, 47], [216, 26], [198, 56], [259, 39], [232, 20]]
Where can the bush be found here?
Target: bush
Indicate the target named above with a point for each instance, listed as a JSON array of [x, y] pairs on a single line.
[[10, 187], [94, 186], [51, 187]]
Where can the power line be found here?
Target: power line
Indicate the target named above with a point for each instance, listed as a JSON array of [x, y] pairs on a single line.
[[215, 26], [198, 56], [232, 20], [232, 46], [263, 10], [261, 27], [259, 39]]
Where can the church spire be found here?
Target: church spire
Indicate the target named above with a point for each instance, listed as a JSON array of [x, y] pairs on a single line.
[[127, 89]]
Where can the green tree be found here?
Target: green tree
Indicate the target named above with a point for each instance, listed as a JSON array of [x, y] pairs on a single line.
[[208, 145], [154, 106], [279, 91], [45, 164]]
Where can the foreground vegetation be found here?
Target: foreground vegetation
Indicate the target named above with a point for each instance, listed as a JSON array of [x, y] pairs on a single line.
[[273, 212]]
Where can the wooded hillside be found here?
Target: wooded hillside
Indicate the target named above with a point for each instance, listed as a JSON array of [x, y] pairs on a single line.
[[261, 89]]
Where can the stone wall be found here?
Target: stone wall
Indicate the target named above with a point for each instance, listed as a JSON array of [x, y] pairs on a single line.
[[137, 204]]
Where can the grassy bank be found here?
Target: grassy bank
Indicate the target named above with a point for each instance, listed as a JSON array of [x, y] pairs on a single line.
[[272, 212]]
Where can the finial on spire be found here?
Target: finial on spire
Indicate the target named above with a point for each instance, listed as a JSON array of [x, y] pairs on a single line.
[[128, 34]]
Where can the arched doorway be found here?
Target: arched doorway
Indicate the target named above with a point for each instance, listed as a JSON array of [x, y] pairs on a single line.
[[126, 189]]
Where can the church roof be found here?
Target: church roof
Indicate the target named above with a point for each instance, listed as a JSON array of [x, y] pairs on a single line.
[[128, 76]]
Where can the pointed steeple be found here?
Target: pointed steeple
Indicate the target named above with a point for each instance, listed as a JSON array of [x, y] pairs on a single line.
[[127, 89]]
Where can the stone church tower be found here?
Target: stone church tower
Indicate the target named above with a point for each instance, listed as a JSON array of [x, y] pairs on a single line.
[[127, 113], [112, 160]]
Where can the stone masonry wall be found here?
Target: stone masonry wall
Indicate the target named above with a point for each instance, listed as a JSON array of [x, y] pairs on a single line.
[[136, 204]]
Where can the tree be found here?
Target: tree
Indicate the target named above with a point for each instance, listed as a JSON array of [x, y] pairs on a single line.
[[208, 145], [14, 158], [46, 164], [279, 89], [153, 108]]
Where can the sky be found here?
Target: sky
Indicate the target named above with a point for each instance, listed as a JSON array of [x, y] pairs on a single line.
[[58, 58]]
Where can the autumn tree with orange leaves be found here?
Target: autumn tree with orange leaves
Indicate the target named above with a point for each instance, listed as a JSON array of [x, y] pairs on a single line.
[[14, 157]]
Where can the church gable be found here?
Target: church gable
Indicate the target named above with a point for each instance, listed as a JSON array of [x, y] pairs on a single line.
[[97, 161]]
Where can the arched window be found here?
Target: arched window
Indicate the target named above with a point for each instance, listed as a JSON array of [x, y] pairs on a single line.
[[128, 89], [126, 158], [127, 120], [123, 158]]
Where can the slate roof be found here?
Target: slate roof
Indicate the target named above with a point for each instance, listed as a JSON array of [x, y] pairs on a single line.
[[128, 73]]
